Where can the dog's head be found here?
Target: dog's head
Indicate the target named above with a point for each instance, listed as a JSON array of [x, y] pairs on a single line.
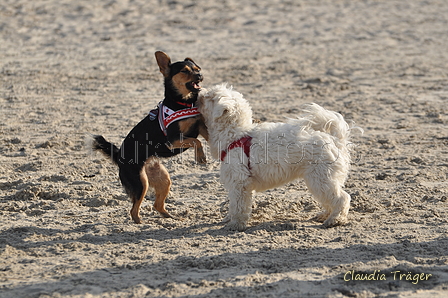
[[182, 78], [223, 106]]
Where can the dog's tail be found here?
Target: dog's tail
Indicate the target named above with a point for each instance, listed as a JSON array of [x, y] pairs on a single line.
[[321, 119], [99, 143]]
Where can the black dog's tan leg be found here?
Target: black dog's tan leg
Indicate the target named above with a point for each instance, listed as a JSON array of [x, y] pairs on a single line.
[[138, 199], [159, 179], [189, 143]]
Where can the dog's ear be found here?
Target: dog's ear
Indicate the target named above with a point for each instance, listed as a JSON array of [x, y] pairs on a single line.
[[191, 60], [164, 62]]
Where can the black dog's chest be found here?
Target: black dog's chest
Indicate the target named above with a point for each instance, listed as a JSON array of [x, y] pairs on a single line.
[[147, 139]]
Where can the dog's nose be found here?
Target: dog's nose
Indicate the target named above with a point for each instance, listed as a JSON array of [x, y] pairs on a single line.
[[199, 76]]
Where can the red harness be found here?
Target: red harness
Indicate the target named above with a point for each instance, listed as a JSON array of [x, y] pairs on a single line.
[[244, 142]]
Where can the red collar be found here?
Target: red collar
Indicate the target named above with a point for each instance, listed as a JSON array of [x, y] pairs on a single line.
[[244, 142], [185, 104]]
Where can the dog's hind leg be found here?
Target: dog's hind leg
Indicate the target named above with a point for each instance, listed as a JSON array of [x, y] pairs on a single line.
[[137, 201], [329, 193], [136, 185], [338, 215], [159, 179]]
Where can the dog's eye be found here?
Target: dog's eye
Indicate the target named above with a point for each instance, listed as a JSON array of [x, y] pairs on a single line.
[[184, 71]]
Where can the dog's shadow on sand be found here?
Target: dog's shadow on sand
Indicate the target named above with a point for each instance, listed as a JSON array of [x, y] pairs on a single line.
[[94, 233], [195, 271]]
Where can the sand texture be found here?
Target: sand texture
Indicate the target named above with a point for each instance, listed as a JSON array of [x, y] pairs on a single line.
[[68, 68]]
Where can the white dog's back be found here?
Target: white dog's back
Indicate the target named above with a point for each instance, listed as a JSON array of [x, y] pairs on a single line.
[[281, 152]]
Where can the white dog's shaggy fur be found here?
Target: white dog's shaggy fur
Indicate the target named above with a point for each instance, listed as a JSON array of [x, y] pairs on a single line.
[[313, 147]]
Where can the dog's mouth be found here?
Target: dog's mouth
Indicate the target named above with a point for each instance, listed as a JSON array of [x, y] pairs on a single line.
[[194, 86]]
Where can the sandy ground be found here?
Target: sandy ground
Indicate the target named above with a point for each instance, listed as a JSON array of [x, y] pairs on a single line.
[[68, 68]]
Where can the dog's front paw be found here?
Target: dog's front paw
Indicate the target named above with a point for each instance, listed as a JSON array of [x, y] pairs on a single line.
[[333, 222], [201, 159], [236, 226], [226, 219], [200, 156], [321, 217]]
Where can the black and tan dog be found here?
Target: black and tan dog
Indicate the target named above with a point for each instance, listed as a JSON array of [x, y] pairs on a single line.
[[169, 130]]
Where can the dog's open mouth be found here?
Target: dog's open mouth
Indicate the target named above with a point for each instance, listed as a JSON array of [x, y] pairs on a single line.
[[194, 86]]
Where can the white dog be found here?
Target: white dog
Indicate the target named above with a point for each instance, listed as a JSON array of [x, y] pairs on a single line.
[[267, 155]]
